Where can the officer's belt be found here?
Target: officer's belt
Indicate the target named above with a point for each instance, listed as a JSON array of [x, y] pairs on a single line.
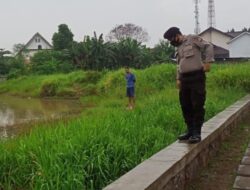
[[192, 73], [193, 76]]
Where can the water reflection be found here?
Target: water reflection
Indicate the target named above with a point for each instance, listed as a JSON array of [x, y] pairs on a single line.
[[15, 111]]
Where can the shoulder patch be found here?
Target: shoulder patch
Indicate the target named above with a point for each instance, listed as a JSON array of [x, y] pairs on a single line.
[[197, 38], [200, 39]]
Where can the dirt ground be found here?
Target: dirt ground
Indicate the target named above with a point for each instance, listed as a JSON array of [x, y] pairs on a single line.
[[221, 170]]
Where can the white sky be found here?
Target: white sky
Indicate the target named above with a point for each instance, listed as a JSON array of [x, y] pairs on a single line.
[[21, 19]]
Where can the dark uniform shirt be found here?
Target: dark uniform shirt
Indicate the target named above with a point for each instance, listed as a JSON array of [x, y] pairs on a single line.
[[192, 53]]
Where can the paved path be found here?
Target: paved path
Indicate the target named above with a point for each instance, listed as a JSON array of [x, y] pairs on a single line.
[[242, 180]]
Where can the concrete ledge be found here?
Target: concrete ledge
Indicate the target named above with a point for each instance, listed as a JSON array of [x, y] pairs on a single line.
[[245, 160], [242, 183], [247, 152], [244, 170], [174, 166]]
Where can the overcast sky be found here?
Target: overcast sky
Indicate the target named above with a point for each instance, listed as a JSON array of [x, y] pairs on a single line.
[[21, 19]]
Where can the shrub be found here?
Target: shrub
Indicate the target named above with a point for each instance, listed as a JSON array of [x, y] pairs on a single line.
[[50, 61], [49, 88], [162, 52], [112, 80], [14, 73]]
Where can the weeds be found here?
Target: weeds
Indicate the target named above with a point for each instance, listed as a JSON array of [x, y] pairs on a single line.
[[107, 141]]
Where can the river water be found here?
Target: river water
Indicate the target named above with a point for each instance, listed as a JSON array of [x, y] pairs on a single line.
[[16, 113]]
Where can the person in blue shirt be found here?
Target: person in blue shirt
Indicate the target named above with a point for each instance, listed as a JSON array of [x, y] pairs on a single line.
[[130, 78]]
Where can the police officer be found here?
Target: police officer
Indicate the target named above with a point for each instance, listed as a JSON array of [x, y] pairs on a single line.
[[194, 56]]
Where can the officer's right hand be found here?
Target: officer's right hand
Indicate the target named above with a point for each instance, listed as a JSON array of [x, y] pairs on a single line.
[[178, 84], [206, 67]]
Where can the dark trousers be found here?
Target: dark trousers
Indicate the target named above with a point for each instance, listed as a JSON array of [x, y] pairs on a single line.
[[192, 97]]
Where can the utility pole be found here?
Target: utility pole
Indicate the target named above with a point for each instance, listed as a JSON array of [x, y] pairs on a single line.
[[197, 23], [211, 13]]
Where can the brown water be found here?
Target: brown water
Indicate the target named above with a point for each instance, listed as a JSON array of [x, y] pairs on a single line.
[[16, 113]]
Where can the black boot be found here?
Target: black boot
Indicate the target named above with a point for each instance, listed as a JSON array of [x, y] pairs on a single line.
[[186, 135], [196, 136]]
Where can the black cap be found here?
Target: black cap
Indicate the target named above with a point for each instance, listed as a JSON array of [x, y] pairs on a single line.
[[171, 32]]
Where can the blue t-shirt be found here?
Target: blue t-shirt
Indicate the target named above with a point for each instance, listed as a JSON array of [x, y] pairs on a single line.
[[130, 80]]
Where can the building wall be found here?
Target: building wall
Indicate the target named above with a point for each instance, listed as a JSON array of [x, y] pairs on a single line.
[[34, 46], [38, 41], [217, 38], [240, 47]]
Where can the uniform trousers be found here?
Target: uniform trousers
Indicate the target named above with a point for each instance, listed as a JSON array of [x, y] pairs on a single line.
[[192, 96]]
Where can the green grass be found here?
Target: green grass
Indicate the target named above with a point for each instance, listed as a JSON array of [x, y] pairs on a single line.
[[235, 76], [107, 141], [74, 84]]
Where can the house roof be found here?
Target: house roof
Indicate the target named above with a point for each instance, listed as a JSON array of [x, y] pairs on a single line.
[[235, 34], [39, 35], [237, 37], [214, 29]]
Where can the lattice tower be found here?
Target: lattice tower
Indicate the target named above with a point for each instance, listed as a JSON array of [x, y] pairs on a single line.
[[211, 13], [197, 28]]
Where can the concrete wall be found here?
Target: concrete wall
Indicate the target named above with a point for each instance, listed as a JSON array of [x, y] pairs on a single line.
[[174, 166]]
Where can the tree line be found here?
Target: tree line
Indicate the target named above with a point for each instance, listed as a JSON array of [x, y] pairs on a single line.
[[123, 46], [245, 29]]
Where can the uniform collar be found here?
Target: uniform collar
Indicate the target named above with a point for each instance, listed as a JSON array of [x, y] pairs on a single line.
[[185, 38]]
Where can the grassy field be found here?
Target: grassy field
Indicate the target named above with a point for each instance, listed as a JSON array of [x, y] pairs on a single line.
[[106, 141]]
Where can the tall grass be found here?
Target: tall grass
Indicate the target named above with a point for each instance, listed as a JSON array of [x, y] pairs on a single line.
[[232, 76], [74, 84], [106, 141]]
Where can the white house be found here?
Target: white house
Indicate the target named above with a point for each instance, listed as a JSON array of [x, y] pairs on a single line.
[[228, 44], [239, 47], [36, 43], [220, 41], [216, 37]]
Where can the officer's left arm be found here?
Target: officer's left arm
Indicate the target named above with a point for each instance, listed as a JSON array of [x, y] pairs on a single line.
[[207, 51]]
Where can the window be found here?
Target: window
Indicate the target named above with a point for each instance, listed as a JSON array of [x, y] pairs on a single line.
[[37, 40]]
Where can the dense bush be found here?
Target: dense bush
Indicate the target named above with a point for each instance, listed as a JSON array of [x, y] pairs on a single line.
[[50, 61], [129, 52], [92, 53], [12, 67], [74, 84], [95, 54], [49, 88], [3, 67], [163, 52]]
